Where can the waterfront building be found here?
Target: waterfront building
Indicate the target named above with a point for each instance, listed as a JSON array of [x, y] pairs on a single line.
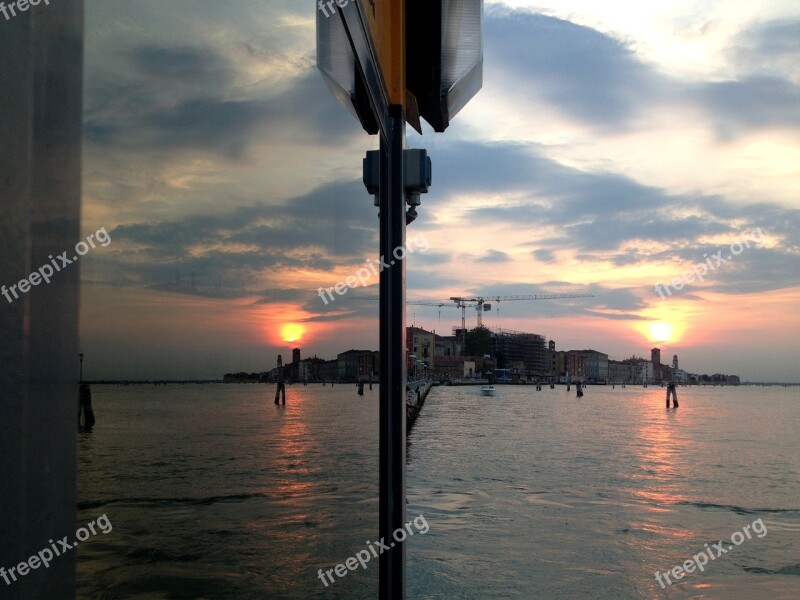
[[448, 345], [517, 346], [620, 371], [595, 365], [680, 376], [328, 370], [556, 362], [655, 357], [641, 369], [422, 344], [295, 376], [354, 365], [576, 367]]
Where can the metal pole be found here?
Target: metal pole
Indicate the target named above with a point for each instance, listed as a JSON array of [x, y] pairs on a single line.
[[393, 367]]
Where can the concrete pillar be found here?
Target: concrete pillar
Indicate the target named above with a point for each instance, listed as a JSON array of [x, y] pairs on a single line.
[[41, 62]]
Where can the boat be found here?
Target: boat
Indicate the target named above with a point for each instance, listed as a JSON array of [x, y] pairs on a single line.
[[487, 390]]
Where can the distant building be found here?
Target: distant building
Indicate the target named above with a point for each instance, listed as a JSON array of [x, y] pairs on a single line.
[[243, 377], [295, 375], [680, 376], [328, 370], [458, 367], [556, 363], [309, 369], [469, 369], [595, 364], [718, 378], [354, 365], [449, 367], [517, 346], [447, 346], [422, 344], [620, 371], [655, 356], [576, 366], [662, 372], [641, 370]]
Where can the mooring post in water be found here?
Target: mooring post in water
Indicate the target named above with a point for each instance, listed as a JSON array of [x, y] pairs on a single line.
[[671, 390], [86, 418], [280, 388], [85, 408]]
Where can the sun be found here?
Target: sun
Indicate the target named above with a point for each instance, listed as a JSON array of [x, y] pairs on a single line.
[[660, 331], [292, 332]]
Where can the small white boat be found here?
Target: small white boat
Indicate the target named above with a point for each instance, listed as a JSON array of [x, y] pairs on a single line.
[[487, 390]]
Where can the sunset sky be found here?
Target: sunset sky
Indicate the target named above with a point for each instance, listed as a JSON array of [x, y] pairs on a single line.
[[613, 147]]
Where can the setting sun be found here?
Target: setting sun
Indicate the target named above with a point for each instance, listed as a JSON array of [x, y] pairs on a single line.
[[292, 332], [660, 331]]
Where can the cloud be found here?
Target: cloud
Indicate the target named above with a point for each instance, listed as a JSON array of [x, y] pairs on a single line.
[[494, 256], [623, 301], [603, 217], [328, 227], [200, 66], [598, 80], [586, 74], [751, 103], [769, 48], [210, 121]]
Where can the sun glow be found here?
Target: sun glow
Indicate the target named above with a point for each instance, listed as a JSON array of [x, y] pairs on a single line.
[[292, 332], [661, 331]]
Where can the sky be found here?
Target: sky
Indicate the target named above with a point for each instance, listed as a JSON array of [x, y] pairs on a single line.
[[613, 147]]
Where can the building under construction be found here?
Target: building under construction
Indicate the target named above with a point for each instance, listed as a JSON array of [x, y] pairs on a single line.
[[517, 347]]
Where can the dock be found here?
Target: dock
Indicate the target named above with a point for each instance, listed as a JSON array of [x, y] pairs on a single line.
[[416, 394]]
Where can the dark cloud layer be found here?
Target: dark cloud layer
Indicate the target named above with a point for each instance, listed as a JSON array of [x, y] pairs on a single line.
[[606, 217], [590, 76], [600, 81], [326, 228]]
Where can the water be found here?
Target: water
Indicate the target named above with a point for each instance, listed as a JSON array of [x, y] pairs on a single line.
[[214, 492]]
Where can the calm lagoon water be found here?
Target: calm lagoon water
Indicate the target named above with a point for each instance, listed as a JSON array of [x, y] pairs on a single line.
[[214, 492]]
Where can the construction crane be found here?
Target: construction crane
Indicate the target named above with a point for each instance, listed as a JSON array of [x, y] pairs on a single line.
[[480, 303], [439, 305]]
